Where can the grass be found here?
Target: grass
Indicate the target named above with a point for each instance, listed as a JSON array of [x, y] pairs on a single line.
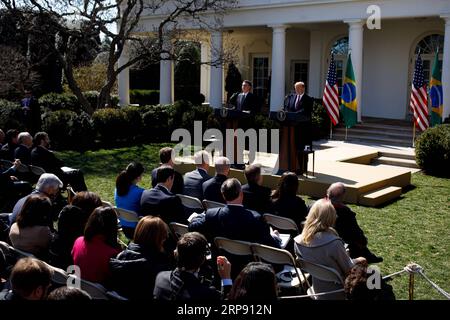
[[415, 228]]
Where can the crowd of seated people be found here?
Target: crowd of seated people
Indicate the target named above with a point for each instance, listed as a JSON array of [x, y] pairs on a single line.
[[85, 232]]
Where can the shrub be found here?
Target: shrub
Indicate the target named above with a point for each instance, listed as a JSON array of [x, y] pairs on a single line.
[[133, 119], [11, 115], [156, 123], [144, 97], [433, 150], [92, 97], [320, 120], [110, 125], [59, 101]]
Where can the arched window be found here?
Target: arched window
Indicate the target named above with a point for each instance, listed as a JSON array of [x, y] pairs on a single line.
[[340, 50], [428, 47]]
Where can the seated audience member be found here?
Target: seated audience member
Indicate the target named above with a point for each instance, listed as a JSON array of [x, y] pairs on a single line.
[[2, 138], [30, 280], [3, 268], [356, 286], [87, 201], [183, 284], [48, 185], [255, 283], [69, 294], [160, 201], [285, 201], [211, 187], [92, 251], [127, 194], [347, 227], [193, 181], [256, 196], [31, 231], [233, 221], [11, 188], [11, 143], [135, 269], [165, 156], [23, 150], [71, 224], [42, 157], [319, 243]]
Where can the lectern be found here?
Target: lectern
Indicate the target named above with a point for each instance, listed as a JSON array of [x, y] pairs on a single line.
[[289, 122]]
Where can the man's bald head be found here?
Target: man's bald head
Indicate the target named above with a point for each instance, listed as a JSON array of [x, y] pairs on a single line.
[[336, 192], [222, 165]]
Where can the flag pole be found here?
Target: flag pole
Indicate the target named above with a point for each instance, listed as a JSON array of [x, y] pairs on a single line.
[[346, 128], [331, 130], [414, 135]]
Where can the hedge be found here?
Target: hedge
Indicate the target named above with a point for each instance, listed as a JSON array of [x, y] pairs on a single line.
[[144, 97], [11, 115], [433, 150]]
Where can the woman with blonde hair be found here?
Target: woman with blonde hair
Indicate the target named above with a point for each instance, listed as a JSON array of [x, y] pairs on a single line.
[[319, 243]]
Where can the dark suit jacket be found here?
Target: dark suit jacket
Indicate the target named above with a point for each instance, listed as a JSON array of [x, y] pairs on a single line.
[[180, 285], [211, 188], [248, 103], [233, 222], [303, 130], [193, 182], [257, 198], [291, 207], [7, 151], [23, 153], [47, 160], [158, 201], [178, 184], [347, 227]]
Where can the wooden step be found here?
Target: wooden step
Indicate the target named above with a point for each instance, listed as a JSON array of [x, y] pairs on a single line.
[[380, 196], [406, 163]]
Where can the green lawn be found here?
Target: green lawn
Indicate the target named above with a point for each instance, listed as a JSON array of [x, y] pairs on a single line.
[[415, 228]]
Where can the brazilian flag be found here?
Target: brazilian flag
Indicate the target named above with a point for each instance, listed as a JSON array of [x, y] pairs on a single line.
[[436, 94], [348, 97]]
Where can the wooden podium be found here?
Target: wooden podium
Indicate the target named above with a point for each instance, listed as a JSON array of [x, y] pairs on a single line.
[[289, 121], [232, 117]]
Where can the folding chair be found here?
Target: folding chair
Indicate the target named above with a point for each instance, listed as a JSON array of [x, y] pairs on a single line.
[[238, 252], [70, 193], [59, 276], [127, 215], [208, 204], [281, 223], [281, 257], [320, 272], [178, 229], [95, 290], [36, 170], [191, 203], [106, 204]]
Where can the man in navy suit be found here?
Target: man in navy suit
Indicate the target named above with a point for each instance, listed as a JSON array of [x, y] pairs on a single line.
[[302, 103], [211, 187], [193, 181], [246, 100], [160, 201], [165, 156], [256, 196], [23, 151]]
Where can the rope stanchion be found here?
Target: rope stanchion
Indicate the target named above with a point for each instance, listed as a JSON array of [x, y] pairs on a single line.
[[435, 286]]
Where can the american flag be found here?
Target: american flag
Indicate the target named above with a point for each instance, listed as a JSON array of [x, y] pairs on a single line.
[[331, 93], [419, 97]]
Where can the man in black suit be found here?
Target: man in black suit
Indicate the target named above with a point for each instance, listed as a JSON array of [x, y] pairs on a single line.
[[302, 103], [23, 151], [256, 196], [42, 157], [160, 201], [193, 181], [183, 283], [211, 187], [347, 227], [165, 156], [246, 100]]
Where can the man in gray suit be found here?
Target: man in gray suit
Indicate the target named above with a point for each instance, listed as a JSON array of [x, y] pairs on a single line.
[[193, 180]]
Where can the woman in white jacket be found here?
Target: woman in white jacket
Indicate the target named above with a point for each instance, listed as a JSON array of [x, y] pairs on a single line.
[[319, 243]]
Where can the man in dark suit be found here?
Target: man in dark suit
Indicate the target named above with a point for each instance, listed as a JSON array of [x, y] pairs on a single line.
[[193, 181], [246, 100], [256, 196], [347, 227], [42, 157], [23, 151], [302, 103], [183, 283], [211, 187], [160, 201], [165, 156], [11, 140]]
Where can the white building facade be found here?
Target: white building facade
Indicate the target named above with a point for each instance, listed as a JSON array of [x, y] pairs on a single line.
[[280, 42]]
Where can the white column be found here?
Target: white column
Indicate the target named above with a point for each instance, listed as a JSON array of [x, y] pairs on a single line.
[[316, 75], [123, 78], [216, 71], [355, 39], [165, 77], [446, 67], [205, 70], [277, 81]]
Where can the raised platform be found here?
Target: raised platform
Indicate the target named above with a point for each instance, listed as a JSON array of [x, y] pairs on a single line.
[[366, 184]]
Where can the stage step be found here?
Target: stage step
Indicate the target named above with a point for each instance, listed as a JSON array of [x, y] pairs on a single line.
[[399, 155], [373, 139], [380, 196], [407, 163]]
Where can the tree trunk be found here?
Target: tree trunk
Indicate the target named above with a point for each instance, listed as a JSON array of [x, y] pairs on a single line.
[[104, 97]]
